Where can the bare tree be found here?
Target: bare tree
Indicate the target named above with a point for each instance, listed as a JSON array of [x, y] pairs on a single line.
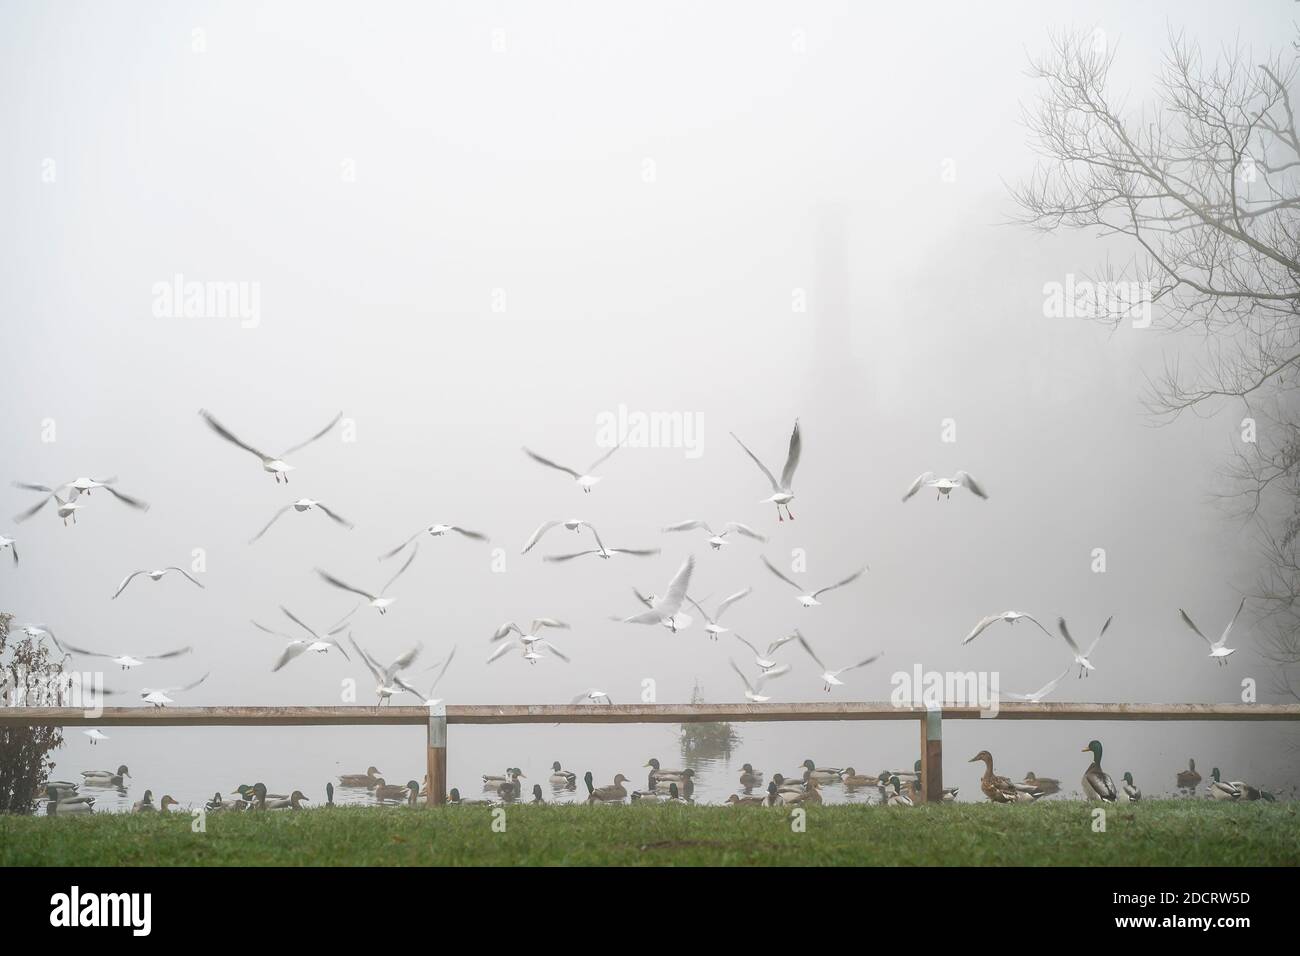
[[1203, 186]]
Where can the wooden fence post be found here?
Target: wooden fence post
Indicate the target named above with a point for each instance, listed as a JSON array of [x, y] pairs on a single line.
[[437, 756], [932, 756]]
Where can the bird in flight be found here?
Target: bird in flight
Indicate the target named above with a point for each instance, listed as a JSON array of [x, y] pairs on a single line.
[[944, 486], [831, 677], [587, 479], [434, 531], [300, 506], [1219, 650], [782, 494], [1044, 690], [377, 601], [155, 575], [1081, 657], [719, 539], [754, 688], [601, 551], [572, 524], [713, 628], [274, 464], [1011, 617], [809, 599], [664, 609]]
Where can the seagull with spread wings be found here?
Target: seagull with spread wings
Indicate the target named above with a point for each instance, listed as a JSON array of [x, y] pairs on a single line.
[[386, 684], [601, 551], [713, 628], [572, 524], [1219, 650], [158, 696], [664, 609], [377, 601], [300, 506], [809, 599], [531, 635], [782, 494], [764, 662], [528, 646], [1081, 657], [1011, 617], [754, 688], [67, 493], [592, 695], [298, 645], [124, 661], [428, 699], [274, 464], [1043, 691], [943, 486], [586, 480], [717, 539], [831, 677], [155, 575], [435, 531]]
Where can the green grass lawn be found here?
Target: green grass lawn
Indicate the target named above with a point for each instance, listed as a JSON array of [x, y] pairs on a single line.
[[1165, 832]]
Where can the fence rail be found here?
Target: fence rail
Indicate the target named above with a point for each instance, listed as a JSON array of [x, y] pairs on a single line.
[[436, 720]]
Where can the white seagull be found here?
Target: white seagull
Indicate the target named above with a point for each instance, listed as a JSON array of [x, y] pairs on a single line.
[[155, 575], [124, 661], [753, 689], [944, 486], [1011, 617], [831, 677], [428, 699], [763, 661], [12, 545], [386, 684], [1081, 657], [586, 480], [713, 628], [531, 635], [1218, 649], [592, 695], [528, 648], [95, 735], [298, 645], [678, 622], [717, 539], [300, 506], [601, 551], [809, 599], [572, 524], [665, 608], [1043, 691], [378, 602], [434, 531], [274, 464], [781, 491], [158, 696], [67, 493], [67, 506]]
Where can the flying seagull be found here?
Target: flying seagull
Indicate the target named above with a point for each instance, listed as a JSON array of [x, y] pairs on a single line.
[[529, 636], [601, 551], [298, 645], [717, 539], [376, 601], [944, 486], [665, 608], [428, 699], [1218, 649], [713, 629], [12, 545], [1044, 690], [781, 493], [592, 695], [70, 490], [831, 677], [528, 648], [275, 464], [156, 575], [572, 524], [300, 506], [810, 599], [1081, 657], [434, 531], [158, 696], [586, 480], [67, 507], [124, 661], [678, 622], [1011, 617], [764, 662], [753, 689], [386, 684]]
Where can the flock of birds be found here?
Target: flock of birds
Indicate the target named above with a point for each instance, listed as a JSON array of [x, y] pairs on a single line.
[[535, 642]]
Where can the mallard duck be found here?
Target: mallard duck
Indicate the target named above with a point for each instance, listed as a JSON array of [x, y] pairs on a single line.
[[749, 777], [60, 790], [686, 782], [615, 793], [73, 806], [1189, 779], [166, 803], [55, 795], [217, 803], [737, 801], [773, 794], [660, 774], [1048, 785], [1000, 789], [561, 777], [651, 795], [454, 798], [811, 793], [512, 788], [914, 787], [785, 783], [537, 794], [821, 774], [144, 804], [412, 793], [366, 779], [1097, 784], [292, 803], [1235, 789], [896, 796], [249, 793], [673, 795], [851, 778], [388, 791], [329, 794], [1128, 790], [105, 778]]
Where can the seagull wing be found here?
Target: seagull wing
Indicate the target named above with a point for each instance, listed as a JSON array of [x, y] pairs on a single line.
[[466, 533], [741, 674], [366, 659], [228, 435], [19, 518], [732, 599], [445, 665], [330, 579], [1227, 630], [544, 642], [803, 642], [852, 667], [779, 643], [289, 614], [1065, 633], [693, 603], [504, 631], [501, 652], [773, 569], [744, 529], [676, 594], [916, 485], [775, 672], [792, 456], [1050, 685], [541, 622], [403, 661], [603, 458], [387, 555], [762, 467], [401, 570], [338, 519], [969, 481], [316, 437], [342, 622], [689, 526], [1097, 639], [185, 573], [146, 691], [635, 552], [550, 464], [127, 499], [85, 653], [29, 487], [542, 528], [125, 581], [291, 650], [1188, 621], [273, 520], [839, 584], [981, 627], [167, 655], [565, 557]]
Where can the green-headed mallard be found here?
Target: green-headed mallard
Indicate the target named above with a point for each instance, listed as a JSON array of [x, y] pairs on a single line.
[[674, 796], [896, 796], [749, 777], [1128, 790], [737, 801], [144, 804], [249, 793], [512, 788], [105, 778], [1048, 785], [561, 777], [615, 793], [1235, 789], [1097, 784], [366, 779], [811, 793], [537, 794], [412, 793], [785, 783], [454, 798], [1189, 779], [821, 774], [658, 773], [67, 800], [1000, 789]]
